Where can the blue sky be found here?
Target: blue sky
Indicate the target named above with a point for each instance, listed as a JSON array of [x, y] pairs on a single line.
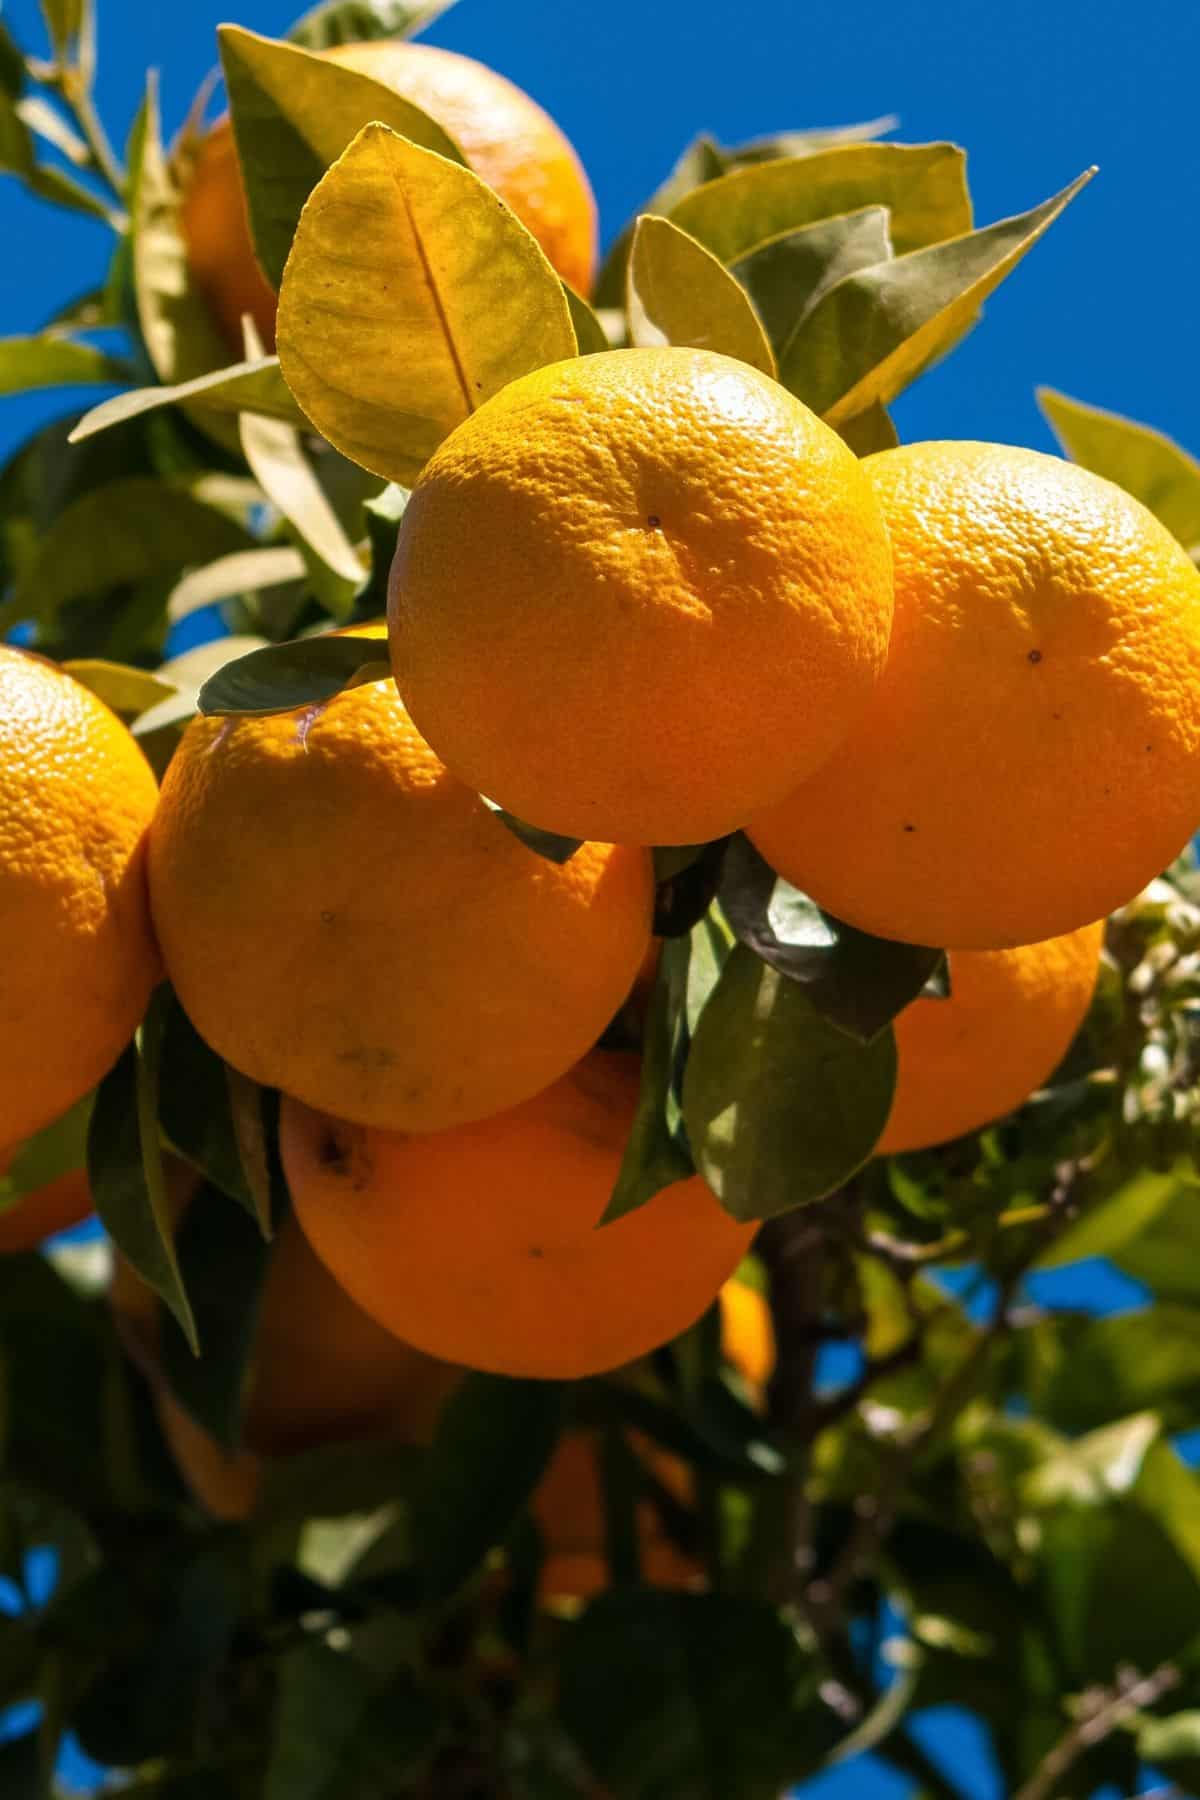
[[1035, 89]]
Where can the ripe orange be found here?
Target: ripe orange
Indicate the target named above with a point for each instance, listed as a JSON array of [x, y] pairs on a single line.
[[638, 596], [36, 1216], [1031, 756], [343, 919], [568, 1505], [479, 1245], [1008, 1023], [76, 797], [321, 1372], [506, 137]]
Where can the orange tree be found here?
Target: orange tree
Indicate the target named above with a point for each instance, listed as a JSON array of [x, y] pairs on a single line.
[[409, 1490]]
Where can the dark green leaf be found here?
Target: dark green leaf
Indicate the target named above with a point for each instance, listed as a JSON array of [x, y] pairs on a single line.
[[27, 363], [21, 1769], [657, 1152], [686, 888], [353, 21], [678, 293], [344, 1732], [128, 531], [674, 1694], [49, 1153], [547, 844], [878, 329], [870, 431], [284, 677], [858, 982], [332, 1483], [1107, 1368], [1163, 1248], [780, 1106], [194, 1104], [54, 184], [1121, 1215], [786, 276], [922, 185], [589, 332], [293, 115], [493, 1442], [126, 1176], [244, 387], [224, 1263], [383, 515], [12, 64], [1144, 462]]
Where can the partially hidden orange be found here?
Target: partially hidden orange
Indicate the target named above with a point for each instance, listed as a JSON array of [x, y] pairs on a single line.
[[1030, 758], [76, 800], [480, 1245], [509, 141]]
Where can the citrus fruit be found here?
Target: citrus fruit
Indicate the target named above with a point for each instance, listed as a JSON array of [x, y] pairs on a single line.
[[27, 1222], [640, 595], [480, 1245], [1008, 1022], [568, 1504], [344, 920], [1031, 756], [76, 798], [505, 136], [320, 1372]]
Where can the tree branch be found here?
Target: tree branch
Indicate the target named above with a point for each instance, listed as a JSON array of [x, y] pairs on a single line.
[[1109, 1709]]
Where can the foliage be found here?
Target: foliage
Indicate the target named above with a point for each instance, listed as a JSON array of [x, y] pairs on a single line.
[[991, 1512]]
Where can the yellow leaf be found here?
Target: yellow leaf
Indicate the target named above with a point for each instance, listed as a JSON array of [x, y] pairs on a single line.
[[678, 293]]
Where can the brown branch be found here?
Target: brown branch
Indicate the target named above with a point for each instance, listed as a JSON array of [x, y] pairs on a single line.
[[1110, 1709]]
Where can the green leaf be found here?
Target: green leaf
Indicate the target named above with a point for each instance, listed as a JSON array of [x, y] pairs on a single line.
[[1127, 1363], [224, 1262], [692, 1694], [1163, 1250], [285, 677], [383, 514], [384, 358], [277, 461], [55, 1150], [1172, 1745], [877, 329], [547, 844], [354, 21], [780, 1106], [65, 21], [590, 335], [858, 982], [27, 363], [678, 293], [687, 877], [256, 387], [923, 186], [55, 185], [494, 1439], [1121, 1216], [1142, 461], [656, 1153], [869, 431], [786, 276], [132, 530], [178, 328], [12, 64], [245, 572], [194, 1104], [294, 113], [345, 1731], [128, 691], [126, 1175]]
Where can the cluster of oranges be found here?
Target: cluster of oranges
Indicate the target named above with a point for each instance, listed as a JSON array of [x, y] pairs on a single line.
[[641, 598]]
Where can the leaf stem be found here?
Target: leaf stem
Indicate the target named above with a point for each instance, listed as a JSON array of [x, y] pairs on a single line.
[[1098, 1721], [102, 159]]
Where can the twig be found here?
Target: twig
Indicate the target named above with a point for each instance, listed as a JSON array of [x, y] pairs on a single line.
[[792, 1250], [102, 159], [1098, 1722]]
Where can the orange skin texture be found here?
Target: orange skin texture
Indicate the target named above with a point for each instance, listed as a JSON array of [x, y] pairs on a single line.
[[506, 137], [343, 919], [479, 1245], [1031, 756], [45, 1212], [322, 1372], [1009, 1021], [76, 798], [640, 595]]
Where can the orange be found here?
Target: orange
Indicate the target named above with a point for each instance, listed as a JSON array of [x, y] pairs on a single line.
[[61, 1203], [1008, 1023], [76, 797], [640, 595], [1031, 757], [506, 137], [321, 1372], [344, 920], [479, 1245], [568, 1505]]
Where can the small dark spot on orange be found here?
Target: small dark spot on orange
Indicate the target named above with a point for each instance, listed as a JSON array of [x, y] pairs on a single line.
[[1149, 746], [535, 1251], [653, 521], [1056, 715], [332, 1153], [910, 828], [327, 918], [1035, 656]]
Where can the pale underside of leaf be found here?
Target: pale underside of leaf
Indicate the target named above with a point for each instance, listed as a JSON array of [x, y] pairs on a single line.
[[1145, 462], [678, 293], [255, 386]]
